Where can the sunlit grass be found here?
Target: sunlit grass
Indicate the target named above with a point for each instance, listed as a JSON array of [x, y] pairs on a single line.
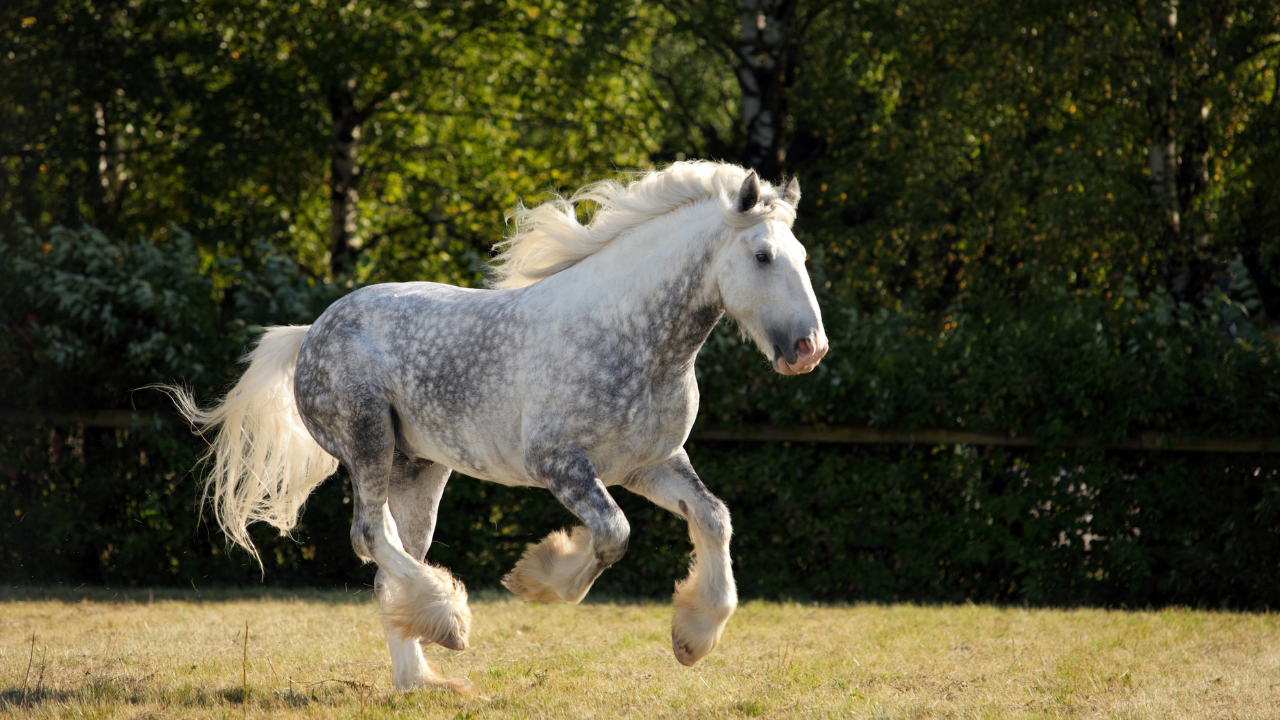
[[103, 654]]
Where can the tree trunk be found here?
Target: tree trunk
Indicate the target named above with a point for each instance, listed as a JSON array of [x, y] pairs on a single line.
[[1162, 153], [765, 54], [344, 175], [108, 180]]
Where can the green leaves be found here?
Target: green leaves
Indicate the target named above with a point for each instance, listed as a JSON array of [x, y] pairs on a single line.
[[217, 116], [89, 320], [985, 237], [1065, 366]]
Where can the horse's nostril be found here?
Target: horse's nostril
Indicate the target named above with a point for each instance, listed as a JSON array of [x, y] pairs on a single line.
[[804, 348]]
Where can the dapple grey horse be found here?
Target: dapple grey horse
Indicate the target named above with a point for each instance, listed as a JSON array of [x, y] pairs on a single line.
[[575, 373]]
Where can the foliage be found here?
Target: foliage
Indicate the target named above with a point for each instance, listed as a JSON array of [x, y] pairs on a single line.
[[86, 323], [1043, 526], [992, 236], [217, 115], [87, 320], [1069, 365], [956, 147]]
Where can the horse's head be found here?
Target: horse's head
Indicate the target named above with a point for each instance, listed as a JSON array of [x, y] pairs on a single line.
[[765, 286]]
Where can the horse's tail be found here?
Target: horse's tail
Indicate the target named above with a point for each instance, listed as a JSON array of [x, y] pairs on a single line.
[[263, 462]]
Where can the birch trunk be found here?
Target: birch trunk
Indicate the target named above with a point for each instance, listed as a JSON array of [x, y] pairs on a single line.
[[1162, 153], [765, 56], [344, 176], [109, 178]]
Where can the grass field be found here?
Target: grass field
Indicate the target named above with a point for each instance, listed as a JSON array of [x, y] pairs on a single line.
[[141, 654]]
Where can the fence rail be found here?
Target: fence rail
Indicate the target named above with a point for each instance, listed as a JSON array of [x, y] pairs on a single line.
[[871, 436], [1151, 441], [83, 418]]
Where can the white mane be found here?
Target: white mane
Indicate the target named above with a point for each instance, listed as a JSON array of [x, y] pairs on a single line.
[[548, 237]]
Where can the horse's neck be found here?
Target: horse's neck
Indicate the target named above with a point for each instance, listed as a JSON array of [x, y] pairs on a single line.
[[656, 281]]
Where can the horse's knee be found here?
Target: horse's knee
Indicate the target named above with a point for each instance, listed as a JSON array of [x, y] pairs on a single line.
[[712, 517], [610, 541], [718, 520]]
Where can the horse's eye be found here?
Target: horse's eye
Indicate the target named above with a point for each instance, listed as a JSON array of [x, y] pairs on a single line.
[[762, 257]]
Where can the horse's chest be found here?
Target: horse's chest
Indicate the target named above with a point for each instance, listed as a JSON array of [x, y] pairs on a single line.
[[645, 432]]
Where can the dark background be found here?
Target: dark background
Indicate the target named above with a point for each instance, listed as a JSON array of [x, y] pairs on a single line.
[[1054, 219]]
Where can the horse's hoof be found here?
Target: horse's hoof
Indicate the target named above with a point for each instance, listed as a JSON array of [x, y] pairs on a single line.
[[684, 655], [431, 608], [456, 640], [427, 679], [453, 633], [696, 630], [560, 568]]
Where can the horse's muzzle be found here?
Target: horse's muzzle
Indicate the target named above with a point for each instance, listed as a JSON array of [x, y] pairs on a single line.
[[807, 354]]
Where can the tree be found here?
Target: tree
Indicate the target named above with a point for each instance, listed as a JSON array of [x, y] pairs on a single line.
[[374, 141], [761, 44], [1007, 148], [349, 61]]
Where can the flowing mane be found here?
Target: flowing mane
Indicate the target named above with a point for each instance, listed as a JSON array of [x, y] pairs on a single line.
[[548, 237]]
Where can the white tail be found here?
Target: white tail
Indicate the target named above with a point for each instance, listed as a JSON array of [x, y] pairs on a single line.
[[263, 462]]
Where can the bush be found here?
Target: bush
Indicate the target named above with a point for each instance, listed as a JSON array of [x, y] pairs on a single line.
[[1063, 366], [88, 320]]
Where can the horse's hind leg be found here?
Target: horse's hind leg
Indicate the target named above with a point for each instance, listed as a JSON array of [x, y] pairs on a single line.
[[564, 565], [413, 499], [419, 601], [704, 600]]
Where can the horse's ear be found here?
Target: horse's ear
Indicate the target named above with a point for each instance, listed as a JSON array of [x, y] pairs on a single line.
[[749, 195], [792, 193]]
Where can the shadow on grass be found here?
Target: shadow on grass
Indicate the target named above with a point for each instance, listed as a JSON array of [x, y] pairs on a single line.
[[113, 691], [349, 596], [18, 698], [143, 596], [364, 595], [99, 692]]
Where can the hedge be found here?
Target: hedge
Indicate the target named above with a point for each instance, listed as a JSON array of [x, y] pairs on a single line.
[[87, 319]]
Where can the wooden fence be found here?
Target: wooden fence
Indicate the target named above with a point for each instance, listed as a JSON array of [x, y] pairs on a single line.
[[1151, 441]]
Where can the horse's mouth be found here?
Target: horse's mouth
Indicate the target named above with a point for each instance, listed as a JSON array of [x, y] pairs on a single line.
[[807, 357]]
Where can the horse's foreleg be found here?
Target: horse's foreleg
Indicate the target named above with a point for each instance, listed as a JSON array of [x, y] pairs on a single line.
[[413, 499], [707, 597], [564, 565]]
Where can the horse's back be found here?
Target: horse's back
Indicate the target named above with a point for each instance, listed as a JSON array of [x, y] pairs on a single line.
[[374, 330], [473, 376], [439, 355]]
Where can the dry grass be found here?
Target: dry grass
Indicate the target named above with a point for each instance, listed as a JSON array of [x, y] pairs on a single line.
[[314, 654]]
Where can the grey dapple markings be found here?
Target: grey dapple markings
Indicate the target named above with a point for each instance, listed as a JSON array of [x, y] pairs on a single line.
[[575, 373]]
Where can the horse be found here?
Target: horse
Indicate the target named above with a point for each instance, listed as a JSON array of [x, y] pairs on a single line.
[[573, 372]]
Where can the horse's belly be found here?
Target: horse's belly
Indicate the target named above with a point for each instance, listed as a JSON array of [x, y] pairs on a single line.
[[484, 448]]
